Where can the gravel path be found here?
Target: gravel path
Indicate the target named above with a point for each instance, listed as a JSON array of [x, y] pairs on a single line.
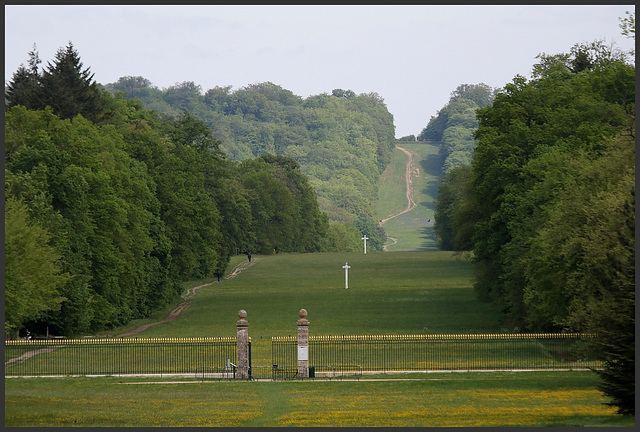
[[410, 202]]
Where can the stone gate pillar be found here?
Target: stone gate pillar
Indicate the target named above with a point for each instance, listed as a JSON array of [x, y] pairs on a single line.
[[303, 344], [243, 345]]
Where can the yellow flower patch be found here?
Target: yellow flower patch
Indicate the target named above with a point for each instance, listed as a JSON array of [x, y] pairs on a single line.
[[466, 408]]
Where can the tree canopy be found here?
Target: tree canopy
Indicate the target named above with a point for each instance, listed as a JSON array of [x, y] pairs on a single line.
[[547, 206], [109, 205], [342, 141], [455, 122]]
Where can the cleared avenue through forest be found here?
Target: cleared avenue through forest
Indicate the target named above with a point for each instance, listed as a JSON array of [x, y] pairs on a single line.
[[406, 196]]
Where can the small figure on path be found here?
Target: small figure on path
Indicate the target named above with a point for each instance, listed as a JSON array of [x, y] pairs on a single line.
[[249, 256], [218, 274]]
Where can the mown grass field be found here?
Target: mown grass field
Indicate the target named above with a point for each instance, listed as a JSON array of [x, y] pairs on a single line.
[[389, 293], [459, 400]]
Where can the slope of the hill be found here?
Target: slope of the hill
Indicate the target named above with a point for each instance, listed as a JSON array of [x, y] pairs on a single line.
[[406, 196], [389, 293], [341, 140]]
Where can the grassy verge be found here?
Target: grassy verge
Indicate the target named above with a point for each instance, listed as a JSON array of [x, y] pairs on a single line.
[[454, 399]]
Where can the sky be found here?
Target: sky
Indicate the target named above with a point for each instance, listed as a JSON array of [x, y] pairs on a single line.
[[413, 57]]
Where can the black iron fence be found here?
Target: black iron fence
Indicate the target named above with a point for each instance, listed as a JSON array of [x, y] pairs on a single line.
[[115, 356], [441, 352], [329, 356]]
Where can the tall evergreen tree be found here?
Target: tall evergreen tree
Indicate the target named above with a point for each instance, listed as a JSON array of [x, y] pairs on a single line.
[[24, 87], [68, 88]]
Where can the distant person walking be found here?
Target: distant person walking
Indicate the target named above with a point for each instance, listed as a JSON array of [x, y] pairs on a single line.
[[249, 256]]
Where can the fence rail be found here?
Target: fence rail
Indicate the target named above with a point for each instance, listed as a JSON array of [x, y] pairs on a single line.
[[443, 352], [116, 356], [329, 356]]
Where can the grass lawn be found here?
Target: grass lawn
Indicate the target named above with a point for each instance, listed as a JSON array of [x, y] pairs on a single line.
[[389, 293], [439, 399], [392, 186]]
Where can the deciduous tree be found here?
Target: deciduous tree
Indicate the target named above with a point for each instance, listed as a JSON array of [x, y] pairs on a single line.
[[33, 273]]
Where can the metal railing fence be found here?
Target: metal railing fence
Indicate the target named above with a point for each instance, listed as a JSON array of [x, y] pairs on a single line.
[[329, 356], [115, 356], [442, 352]]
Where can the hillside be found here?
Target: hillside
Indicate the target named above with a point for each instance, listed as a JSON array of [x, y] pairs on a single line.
[[389, 293], [341, 140], [407, 216]]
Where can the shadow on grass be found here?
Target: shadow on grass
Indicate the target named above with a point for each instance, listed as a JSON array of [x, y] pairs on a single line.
[[428, 237], [432, 165]]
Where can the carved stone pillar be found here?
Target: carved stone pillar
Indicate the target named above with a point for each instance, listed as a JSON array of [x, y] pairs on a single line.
[[243, 345], [303, 344]]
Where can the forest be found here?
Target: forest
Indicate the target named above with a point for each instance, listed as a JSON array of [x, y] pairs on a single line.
[[546, 205], [341, 140], [109, 204]]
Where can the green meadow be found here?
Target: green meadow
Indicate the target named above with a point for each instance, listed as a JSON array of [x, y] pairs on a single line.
[[389, 293], [461, 399]]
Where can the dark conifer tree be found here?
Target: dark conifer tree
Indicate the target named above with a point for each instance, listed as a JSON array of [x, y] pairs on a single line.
[[24, 87], [615, 323], [68, 88]]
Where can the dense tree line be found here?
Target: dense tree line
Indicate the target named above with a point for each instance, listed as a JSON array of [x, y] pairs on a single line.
[[547, 205], [455, 123], [342, 140], [453, 128], [453, 227], [109, 206]]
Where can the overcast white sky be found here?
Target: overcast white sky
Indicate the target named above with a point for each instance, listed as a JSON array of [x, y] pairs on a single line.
[[412, 56]]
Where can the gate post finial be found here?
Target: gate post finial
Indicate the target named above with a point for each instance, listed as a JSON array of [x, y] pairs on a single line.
[[303, 317]]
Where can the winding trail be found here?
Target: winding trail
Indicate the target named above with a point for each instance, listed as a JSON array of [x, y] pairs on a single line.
[[411, 204], [187, 296]]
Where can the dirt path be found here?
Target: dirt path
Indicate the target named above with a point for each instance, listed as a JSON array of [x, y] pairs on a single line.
[[30, 354], [187, 296], [410, 202], [407, 176]]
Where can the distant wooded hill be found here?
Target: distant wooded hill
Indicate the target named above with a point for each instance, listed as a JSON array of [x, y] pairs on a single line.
[[341, 140], [109, 204]]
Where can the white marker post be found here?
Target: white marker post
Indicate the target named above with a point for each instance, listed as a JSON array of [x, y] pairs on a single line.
[[365, 238], [346, 268]]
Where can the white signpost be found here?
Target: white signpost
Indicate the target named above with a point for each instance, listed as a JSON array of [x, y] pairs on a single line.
[[365, 238], [346, 268]]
